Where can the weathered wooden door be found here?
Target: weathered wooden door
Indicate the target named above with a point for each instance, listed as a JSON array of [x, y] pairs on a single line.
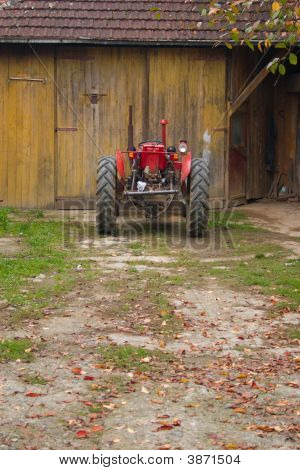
[[187, 87], [77, 122], [298, 145], [238, 156], [95, 88], [27, 127]]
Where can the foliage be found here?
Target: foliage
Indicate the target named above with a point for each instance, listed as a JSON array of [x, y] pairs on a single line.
[[11, 350], [265, 23]]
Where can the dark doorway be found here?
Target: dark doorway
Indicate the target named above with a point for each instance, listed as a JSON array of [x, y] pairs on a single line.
[[238, 154]]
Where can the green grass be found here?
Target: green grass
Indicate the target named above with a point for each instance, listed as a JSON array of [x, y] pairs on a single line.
[[273, 274], [34, 379], [11, 350], [293, 332], [227, 220], [4, 220], [130, 357], [44, 253], [136, 245]]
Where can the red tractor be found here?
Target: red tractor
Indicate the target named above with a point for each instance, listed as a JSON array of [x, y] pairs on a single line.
[[159, 175]]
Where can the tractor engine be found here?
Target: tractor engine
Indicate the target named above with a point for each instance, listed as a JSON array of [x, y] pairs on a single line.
[[151, 167]]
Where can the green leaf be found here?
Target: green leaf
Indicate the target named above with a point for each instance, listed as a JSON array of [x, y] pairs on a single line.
[[281, 69], [274, 67], [235, 36], [228, 45], [293, 59], [280, 45], [204, 12], [249, 44]]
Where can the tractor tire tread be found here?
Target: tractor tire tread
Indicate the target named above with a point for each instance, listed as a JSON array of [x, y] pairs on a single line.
[[106, 195], [199, 197]]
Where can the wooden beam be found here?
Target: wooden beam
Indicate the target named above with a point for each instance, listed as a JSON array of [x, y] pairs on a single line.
[[248, 90]]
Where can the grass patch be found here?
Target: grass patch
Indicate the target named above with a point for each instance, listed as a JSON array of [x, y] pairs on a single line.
[[130, 357], [11, 350], [272, 273], [231, 220], [34, 379], [44, 253], [136, 245], [293, 332], [4, 221]]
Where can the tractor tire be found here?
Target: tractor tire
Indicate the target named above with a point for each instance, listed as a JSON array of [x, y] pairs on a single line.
[[197, 207], [106, 200]]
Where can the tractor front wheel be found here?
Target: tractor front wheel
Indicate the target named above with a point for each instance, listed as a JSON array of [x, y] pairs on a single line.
[[106, 201], [197, 205]]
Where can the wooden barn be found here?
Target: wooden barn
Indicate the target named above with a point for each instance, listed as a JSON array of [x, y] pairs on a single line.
[[70, 69]]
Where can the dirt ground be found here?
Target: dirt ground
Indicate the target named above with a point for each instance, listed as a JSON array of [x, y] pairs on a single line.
[[282, 217], [212, 370]]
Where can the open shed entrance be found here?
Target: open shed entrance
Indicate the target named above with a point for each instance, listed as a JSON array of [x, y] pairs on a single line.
[[264, 137]]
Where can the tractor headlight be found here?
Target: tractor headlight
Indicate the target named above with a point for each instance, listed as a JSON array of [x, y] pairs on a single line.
[[182, 147]]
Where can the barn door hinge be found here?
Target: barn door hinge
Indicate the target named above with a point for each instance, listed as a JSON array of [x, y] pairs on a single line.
[[27, 79], [95, 97]]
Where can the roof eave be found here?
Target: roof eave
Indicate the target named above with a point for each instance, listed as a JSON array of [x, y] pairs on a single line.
[[102, 42], [113, 42]]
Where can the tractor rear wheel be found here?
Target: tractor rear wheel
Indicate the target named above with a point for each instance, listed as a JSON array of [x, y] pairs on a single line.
[[197, 210], [106, 203]]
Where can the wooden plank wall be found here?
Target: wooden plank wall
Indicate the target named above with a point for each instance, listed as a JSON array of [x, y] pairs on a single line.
[[260, 106], [39, 165], [188, 87], [118, 78], [27, 127], [286, 115]]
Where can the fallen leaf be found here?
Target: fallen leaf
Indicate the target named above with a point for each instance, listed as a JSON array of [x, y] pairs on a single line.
[[292, 384], [89, 377], [231, 446], [146, 359], [94, 387], [239, 410], [93, 416], [131, 431], [265, 428], [165, 447], [111, 406], [165, 427], [144, 390], [32, 394], [82, 434], [76, 370], [176, 422], [96, 429]]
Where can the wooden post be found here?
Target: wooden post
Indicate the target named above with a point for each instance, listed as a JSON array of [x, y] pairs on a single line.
[[248, 91]]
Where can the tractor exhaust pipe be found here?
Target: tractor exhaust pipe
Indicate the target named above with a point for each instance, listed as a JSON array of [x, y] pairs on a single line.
[[164, 123], [130, 129]]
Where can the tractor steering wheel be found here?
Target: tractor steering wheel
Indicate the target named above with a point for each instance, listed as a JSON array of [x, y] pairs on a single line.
[[146, 141]]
